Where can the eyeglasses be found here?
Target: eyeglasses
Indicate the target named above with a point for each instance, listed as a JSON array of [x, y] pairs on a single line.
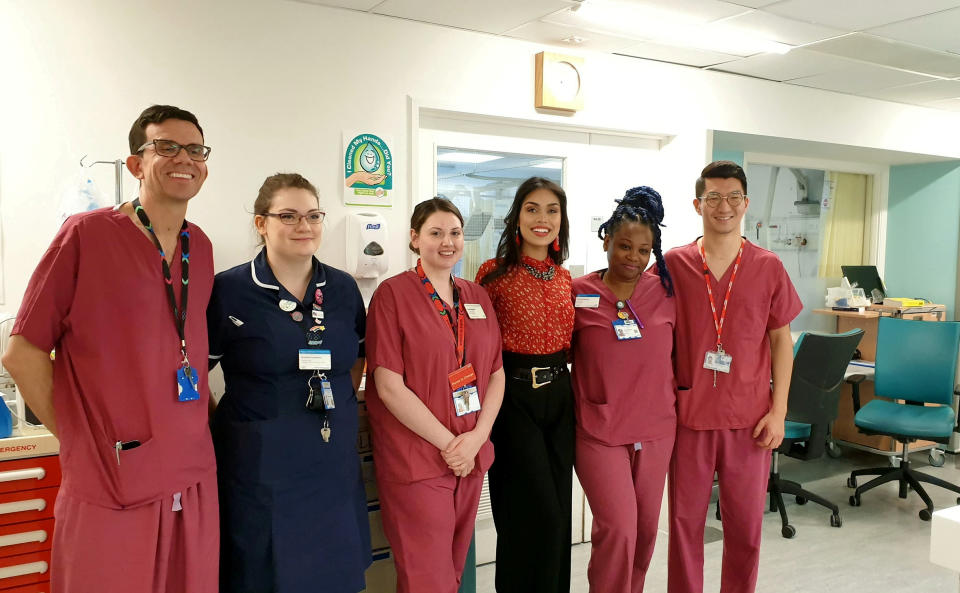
[[169, 148], [291, 218], [733, 198]]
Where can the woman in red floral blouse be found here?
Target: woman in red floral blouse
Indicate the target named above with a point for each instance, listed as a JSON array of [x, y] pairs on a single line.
[[531, 477]]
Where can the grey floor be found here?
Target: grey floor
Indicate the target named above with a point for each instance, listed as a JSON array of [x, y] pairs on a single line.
[[882, 546]]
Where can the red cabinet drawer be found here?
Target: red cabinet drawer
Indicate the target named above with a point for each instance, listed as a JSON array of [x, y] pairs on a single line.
[[43, 587], [27, 474], [25, 569], [22, 538], [28, 505]]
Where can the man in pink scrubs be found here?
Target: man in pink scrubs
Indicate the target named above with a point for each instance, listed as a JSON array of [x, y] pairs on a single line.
[[735, 304], [127, 394]]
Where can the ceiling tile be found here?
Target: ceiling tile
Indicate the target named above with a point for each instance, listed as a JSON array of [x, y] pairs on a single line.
[[924, 92], [753, 3], [676, 55], [548, 33], [795, 64], [857, 15], [490, 16], [938, 31], [778, 28], [857, 78], [694, 11], [352, 4], [887, 52]]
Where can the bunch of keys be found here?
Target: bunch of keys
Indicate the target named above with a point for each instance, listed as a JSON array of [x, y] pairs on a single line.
[[321, 400]]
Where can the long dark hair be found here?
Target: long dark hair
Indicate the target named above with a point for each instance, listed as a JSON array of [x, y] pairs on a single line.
[[508, 251], [645, 206]]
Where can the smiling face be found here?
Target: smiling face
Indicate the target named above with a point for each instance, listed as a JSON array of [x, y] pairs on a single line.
[[290, 241], [628, 251], [723, 218], [539, 222], [175, 178], [439, 241]]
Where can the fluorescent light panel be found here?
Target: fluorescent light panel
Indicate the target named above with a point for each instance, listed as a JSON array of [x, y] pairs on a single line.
[[663, 26], [466, 157], [548, 165]]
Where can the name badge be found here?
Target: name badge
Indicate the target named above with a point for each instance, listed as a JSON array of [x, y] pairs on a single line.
[[626, 329], [717, 361], [462, 377], [466, 400], [315, 360], [474, 311], [587, 301]]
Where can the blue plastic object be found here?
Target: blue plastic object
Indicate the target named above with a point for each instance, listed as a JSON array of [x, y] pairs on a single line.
[[6, 421]]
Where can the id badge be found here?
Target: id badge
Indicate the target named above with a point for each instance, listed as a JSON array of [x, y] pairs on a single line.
[[327, 391], [462, 377], [626, 329], [717, 361], [187, 384], [474, 311], [587, 301], [466, 400], [315, 360]]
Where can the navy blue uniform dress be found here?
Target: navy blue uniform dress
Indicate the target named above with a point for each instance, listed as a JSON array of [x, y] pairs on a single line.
[[292, 507]]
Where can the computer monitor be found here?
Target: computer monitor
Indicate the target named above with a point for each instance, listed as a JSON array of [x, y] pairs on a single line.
[[867, 278]]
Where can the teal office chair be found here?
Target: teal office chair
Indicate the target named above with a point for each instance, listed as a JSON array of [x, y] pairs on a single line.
[[916, 363], [819, 365]]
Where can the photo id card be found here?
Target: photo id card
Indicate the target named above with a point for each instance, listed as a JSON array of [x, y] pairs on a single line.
[[466, 400], [717, 361], [315, 360], [187, 384], [587, 301], [327, 391], [627, 329]]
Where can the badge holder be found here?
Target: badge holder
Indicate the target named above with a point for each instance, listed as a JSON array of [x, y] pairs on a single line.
[[626, 329], [320, 400], [717, 361], [466, 397], [187, 390]]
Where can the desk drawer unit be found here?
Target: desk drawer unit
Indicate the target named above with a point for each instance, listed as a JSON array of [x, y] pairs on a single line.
[[28, 491]]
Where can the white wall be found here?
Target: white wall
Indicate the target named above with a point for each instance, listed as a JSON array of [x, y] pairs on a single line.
[[274, 83]]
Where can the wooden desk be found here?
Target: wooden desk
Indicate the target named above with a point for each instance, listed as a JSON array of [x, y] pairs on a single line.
[[843, 427]]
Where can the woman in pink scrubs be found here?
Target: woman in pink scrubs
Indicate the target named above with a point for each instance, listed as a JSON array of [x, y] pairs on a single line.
[[434, 387], [625, 392]]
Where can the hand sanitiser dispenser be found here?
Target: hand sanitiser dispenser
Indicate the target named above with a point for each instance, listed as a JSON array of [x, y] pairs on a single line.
[[366, 241]]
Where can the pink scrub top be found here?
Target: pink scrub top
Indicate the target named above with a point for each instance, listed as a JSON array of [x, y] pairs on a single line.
[[762, 299], [406, 335], [624, 389], [98, 297]]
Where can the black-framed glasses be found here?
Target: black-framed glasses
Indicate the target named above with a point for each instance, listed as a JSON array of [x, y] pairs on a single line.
[[169, 148], [714, 198], [291, 218]]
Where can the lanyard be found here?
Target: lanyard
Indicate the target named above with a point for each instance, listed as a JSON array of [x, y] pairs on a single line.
[[718, 322], [179, 316], [460, 329]]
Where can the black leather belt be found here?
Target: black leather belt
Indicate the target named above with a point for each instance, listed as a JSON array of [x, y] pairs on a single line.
[[538, 376]]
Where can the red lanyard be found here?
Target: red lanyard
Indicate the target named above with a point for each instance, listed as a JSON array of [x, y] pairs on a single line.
[[718, 321], [460, 329]]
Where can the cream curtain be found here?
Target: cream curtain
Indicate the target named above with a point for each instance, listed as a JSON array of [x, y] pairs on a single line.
[[845, 222]]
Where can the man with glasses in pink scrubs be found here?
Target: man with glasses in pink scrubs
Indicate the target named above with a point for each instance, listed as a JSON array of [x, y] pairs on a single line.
[[734, 307], [127, 394]]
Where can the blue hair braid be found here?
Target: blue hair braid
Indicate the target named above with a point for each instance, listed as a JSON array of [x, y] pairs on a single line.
[[644, 205]]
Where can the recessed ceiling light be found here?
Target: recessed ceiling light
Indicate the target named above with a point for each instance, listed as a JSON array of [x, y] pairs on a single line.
[[574, 40], [466, 157]]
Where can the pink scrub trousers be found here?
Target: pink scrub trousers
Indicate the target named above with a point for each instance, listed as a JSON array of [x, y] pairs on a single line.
[[743, 469], [625, 489]]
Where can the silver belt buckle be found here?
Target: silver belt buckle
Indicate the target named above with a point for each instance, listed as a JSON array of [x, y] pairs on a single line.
[[533, 377]]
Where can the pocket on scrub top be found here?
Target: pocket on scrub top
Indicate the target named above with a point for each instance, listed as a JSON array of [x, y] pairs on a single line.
[[136, 473]]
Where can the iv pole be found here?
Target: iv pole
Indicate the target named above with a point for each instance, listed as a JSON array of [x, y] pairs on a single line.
[[117, 172]]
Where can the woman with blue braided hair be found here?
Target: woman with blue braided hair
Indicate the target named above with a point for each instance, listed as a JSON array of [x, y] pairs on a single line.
[[624, 391]]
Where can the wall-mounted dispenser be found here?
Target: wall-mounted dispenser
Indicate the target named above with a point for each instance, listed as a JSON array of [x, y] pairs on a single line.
[[366, 241]]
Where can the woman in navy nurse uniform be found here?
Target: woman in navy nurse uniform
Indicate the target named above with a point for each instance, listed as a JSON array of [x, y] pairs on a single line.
[[288, 332]]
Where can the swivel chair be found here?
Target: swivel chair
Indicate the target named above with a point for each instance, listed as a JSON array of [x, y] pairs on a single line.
[[819, 364], [916, 365]]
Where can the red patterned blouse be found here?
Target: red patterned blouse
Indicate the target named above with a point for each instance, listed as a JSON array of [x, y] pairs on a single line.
[[535, 314]]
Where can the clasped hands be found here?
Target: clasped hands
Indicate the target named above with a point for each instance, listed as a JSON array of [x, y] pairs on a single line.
[[460, 453]]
